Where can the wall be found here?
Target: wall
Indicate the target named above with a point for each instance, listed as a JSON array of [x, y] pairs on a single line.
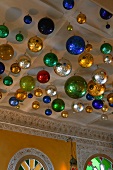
[[57, 151]]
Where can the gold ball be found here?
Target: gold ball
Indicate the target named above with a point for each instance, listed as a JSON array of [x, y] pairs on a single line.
[[105, 108], [95, 89], [85, 60], [64, 114], [88, 109], [20, 94], [81, 18], [88, 47], [35, 44], [38, 92], [110, 98], [15, 68], [69, 27], [18, 106], [6, 52], [0, 95], [35, 105]]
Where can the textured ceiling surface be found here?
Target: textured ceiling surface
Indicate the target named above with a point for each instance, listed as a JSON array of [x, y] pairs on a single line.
[[94, 31]]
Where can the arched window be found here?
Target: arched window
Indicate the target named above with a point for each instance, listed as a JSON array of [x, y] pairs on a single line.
[[99, 162]]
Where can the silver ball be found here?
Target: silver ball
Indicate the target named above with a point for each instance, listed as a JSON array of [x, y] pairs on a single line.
[[77, 106], [107, 58], [24, 62], [104, 116], [51, 90], [100, 76]]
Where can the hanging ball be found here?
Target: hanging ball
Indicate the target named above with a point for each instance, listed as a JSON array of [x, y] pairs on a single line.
[[27, 83], [13, 101], [38, 92], [6, 52], [107, 58], [4, 31], [50, 59], [107, 26], [75, 87], [35, 105], [75, 45], [19, 37], [27, 19], [99, 97], [64, 114], [105, 108], [18, 106], [21, 94], [8, 81], [51, 90], [68, 4], [77, 106], [43, 76], [46, 99], [69, 27], [58, 105], [35, 44], [85, 60], [0, 95], [2, 67], [30, 95], [97, 104], [89, 97], [81, 18], [104, 117], [15, 68], [110, 98], [89, 109], [105, 14], [63, 68], [88, 47], [24, 62], [100, 76], [46, 26], [111, 105], [106, 48], [48, 112]]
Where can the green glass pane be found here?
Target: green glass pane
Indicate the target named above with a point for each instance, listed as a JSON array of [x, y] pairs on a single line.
[[89, 168], [106, 163], [20, 168], [27, 161], [96, 162], [36, 163]]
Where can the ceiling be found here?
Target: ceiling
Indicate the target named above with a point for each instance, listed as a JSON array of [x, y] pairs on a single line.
[[93, 31]]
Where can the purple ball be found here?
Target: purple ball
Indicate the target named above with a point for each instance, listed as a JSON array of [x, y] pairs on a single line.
[[97, 104]]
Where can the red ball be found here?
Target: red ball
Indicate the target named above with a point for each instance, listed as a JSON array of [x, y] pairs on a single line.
[[43, 76]]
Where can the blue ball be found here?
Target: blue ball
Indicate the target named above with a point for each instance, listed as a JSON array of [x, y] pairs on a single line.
[[27, 19], [75, 45], [30, 95], [107, 26], [105, 14], [89, 97], [68, 4], [2, 67], [46, 99], [97, 104], [48, 112], [111, 105], [13, 101]]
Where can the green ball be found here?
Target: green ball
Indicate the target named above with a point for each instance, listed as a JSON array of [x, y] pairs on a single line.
[[27, 83], [76, 87], [50, 59], [58, 105], [4, 31], [106, 48], [99, 97], [8, 81], [19, 37]]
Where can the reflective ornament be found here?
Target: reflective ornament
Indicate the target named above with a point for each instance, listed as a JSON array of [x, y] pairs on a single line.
[[89, 109], [111, 105], [30, 95], [58, 105], [110, 98], [38, 92], [75, 45], [21, 94], [50, 59], [27, 83], [64, 114], [46, 99], [105, 108], [0, 95], [77, 106], [88, 47], [35, 105], [107, 58], [68, 4], [6, 52], [69, 27], [105, 14], [19, 37], [99, 97], [13, 101], [2, 67], [107, 26], [8, 81], [95, 89], [99, 76], [46, 26], [48, 112], [43, 76], [104, 117], [24, 62], [15, 68], [51, 90], [89, 97], [85, 60], [4, 31], [63, 68], [27, 19], [75, 87], [35, 44], [97, 104], [81, 18], [106, 48], [18, 106]]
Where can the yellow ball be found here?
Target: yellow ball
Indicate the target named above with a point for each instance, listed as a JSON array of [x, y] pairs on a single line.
[[88, 109], [35, 105], [15, 69], [18, 106], [69, 27], [85, 60], [35, 44], [64, 114], [6, 52], [105, 108], [20, 94], [81, 18], [38, 92], [88, 47], [110, 98]]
